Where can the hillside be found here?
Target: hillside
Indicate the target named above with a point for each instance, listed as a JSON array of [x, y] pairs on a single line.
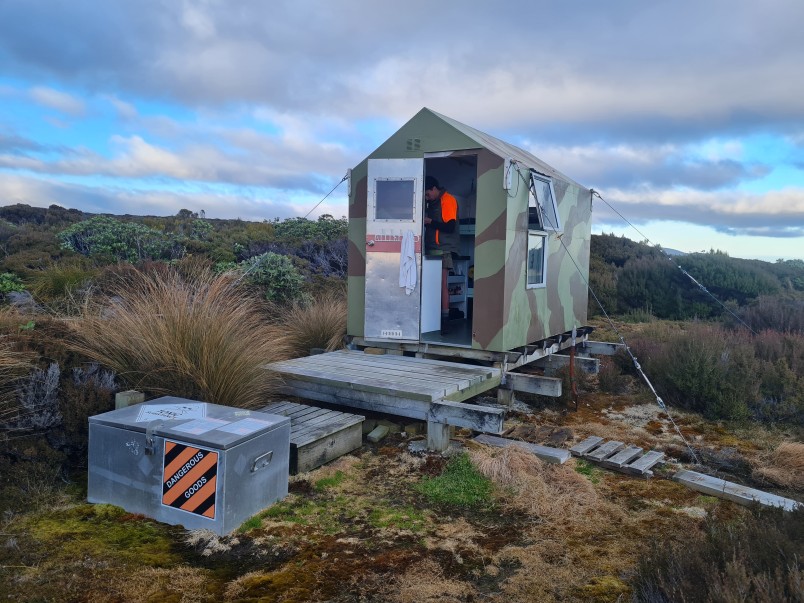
[[187, 306]]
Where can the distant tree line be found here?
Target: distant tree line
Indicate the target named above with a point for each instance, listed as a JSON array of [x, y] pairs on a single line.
[[640, 280]]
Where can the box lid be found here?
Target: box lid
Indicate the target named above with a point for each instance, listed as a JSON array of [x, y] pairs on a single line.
[[191, 421]]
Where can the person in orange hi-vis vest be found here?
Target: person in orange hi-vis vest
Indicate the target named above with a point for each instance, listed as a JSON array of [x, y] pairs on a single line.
[[441, 236]]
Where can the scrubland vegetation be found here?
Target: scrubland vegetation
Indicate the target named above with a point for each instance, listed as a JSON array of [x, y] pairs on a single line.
[[93, 305]]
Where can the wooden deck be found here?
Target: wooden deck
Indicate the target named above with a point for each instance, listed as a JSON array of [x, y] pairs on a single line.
[[317, 435], [419, 388]]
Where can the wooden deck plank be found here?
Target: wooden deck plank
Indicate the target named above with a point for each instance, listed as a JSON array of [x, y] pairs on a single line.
[[643, 464], [361, 378], [407, 365], [604, 450], [556, 456], [327, 415], [587, 445], [425, 393], [395, 373], [402, 363], [458, 366], [625, 456], [278, 406], [480, 418], [731, 491], [337, 422], [313, 434], [384, 403]]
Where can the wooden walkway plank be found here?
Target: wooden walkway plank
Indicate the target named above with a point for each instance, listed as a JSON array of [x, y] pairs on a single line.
[[393, 373], [643, 464], [557, 456], [604, 451], [587, 445], [426, 393], [397, 363], [734, 492], [404, 360], [625, 456], [396, 374]]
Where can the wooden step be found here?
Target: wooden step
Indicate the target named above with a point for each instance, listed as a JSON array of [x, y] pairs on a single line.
[[625, 456], [642, 465], [317, 435], [604, 451], [587, 445], [617, 455]]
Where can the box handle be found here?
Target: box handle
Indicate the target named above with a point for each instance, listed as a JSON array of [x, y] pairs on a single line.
[[262, 461]]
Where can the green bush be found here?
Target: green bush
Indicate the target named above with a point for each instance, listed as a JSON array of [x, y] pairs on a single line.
[[276, 276], [113, 240], [10, 282]]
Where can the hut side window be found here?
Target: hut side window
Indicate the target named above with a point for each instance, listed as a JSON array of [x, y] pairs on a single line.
[[394, 199], [537, 259], [542, 210]]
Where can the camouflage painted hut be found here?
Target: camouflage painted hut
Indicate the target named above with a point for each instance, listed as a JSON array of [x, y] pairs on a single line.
[[524, 245]]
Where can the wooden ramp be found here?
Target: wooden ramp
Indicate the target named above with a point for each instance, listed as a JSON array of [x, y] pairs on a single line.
[[317, 435], [419, 388]]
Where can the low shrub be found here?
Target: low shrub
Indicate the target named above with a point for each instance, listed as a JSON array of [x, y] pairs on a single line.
[[276, 276], [760, 559], [200, 337]]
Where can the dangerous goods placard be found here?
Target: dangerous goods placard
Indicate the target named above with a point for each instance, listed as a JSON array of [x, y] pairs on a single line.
[[189, 478]]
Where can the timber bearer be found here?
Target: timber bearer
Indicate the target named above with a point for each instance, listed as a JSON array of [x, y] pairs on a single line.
[[441, 236]]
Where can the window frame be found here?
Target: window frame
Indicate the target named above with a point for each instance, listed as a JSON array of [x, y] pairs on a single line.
[[374, 205], [545, 237], [553, 223]]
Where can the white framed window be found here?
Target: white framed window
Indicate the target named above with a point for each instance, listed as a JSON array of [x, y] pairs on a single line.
[[542, 208], [536, 275], [395, 199]]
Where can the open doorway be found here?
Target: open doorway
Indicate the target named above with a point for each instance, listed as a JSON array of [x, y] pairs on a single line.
[[457, 174]]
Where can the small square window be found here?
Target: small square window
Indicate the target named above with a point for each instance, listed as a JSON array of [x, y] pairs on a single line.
[[542, 209], [537, 260], [394, 199]]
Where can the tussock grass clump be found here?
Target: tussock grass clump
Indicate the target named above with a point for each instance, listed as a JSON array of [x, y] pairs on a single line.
[[199, 336], [549, 491], [757, 560], [14, 364], [319, 324], [784, 466]]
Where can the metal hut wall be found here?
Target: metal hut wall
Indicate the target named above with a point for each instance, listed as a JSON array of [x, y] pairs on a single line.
[[508, 292]]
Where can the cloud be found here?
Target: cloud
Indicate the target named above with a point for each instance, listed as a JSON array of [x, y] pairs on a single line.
[[542, 68], [772, 214], [61, 101], [667, 165], [247, 205]]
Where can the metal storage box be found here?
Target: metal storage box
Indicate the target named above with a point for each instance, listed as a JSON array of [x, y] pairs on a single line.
[[189, 463]]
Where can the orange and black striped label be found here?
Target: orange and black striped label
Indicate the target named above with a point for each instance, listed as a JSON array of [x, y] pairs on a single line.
[[189, 479]]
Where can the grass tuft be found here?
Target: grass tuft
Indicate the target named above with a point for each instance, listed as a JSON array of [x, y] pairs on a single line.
[[461, 485], [784, 466], [198, 336]]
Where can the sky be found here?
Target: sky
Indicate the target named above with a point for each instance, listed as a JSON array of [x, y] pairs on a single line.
[[686, 117]]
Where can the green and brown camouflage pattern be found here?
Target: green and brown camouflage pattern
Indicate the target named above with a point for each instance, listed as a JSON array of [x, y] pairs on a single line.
[[507, 315]]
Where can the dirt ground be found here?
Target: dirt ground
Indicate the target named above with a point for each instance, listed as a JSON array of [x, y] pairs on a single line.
[[361, 529]]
